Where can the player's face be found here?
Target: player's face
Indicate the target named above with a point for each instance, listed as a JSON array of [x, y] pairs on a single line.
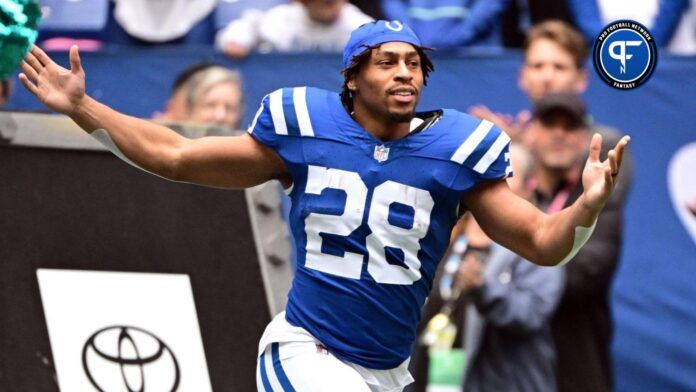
[[390, 82], [220, 105], [556, 145], [550, 68]]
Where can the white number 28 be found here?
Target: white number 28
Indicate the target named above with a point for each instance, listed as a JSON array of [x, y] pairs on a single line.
[[383, 235]]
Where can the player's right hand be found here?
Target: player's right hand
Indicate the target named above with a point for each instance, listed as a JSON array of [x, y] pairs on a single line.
[[61, 90]]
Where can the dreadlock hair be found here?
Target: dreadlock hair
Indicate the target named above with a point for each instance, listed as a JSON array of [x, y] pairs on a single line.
[[359, 60]]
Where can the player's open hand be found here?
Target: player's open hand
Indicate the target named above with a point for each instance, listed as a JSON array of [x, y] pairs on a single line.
[[59, 89], [599, 178]]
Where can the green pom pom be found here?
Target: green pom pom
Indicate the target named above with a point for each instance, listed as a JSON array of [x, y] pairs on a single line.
[[19, 20]]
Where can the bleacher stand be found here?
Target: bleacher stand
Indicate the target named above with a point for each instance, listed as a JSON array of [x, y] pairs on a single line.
[[446, 24], [65, 22], [299, 26], [229, 10], [671, 23], [143, 22], [93, 23]]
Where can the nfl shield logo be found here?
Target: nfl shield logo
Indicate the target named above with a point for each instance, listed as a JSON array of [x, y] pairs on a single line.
[[381, 153]]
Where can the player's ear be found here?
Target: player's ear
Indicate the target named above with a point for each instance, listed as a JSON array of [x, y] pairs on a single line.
[[351, 85]]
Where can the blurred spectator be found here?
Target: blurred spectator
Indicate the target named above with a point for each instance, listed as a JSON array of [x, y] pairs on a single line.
[[160, 21], [554, 61], [671, 23], [446, 24], [582, 326], [215, 97], [207, 94], [176, 109], [507, 335], [479, 246], [370, 7], [520, 15], [301, 26], [420, 365], [5, 91], [555, 55]]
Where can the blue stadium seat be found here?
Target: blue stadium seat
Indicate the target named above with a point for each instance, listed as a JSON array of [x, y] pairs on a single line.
[[74, 18], [229, 10]]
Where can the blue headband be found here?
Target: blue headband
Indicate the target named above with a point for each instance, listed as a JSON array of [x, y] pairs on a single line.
[[376, 33]]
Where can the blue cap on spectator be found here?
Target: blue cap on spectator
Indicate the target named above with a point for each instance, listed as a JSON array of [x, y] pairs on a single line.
[[376, 33]]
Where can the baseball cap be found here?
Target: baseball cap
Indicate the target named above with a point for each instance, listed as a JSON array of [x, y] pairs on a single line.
[[567, 104], [376, 33]]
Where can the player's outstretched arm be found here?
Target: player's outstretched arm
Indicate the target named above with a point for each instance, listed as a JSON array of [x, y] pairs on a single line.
[[542, 238], [231, 162]]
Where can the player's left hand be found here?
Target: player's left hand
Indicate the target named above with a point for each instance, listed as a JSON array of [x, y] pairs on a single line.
[[599, 178]]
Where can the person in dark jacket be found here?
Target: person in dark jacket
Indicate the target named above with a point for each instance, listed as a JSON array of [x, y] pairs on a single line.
[[581, 326], [555, 57], [507, 334]]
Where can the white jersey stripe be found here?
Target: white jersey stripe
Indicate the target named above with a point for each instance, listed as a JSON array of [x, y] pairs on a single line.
[[256, 117], [472, 142], [270, 371], [277, 113], [299, 96], [492, 154], [259, 381]]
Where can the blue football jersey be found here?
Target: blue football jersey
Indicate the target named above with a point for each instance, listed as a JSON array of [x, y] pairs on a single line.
[[371, 219]]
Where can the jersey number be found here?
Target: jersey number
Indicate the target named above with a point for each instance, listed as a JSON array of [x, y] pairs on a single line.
[[384, 234]]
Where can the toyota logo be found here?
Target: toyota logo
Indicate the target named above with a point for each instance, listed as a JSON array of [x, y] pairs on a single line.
[[119, 357]]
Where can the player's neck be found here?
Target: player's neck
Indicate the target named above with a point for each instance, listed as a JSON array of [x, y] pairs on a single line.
[[381, 126]]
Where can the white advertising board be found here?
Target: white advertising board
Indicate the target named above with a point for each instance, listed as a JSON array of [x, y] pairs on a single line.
[[123, 331]]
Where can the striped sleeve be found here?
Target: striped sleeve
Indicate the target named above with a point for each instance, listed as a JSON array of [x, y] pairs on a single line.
[[282, 113], [485, 152]]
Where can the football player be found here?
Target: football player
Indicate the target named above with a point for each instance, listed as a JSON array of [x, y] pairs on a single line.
[[376, 189]]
